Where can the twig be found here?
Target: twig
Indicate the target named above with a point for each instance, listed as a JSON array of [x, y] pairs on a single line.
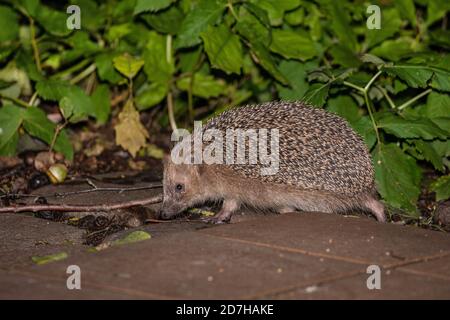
[[82, 208], [94, 189]]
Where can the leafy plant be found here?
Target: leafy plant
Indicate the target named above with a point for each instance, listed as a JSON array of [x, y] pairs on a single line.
[[193, 58]]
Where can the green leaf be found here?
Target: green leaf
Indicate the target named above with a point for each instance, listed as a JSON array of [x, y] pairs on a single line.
[[345, 57], [105, 68], [407, 10], [205, 86], [50, 258], [9, 25], [438, 105], [396, 49], [390, 25], [317, 94], [135, 236], [167, 21], [346, 107], [205, 13], [295, 45], [276, 8], [223, 48], [35, 122], [364, 128], [442, 188], [251, 28], [157, 68], [397, 177], [128, 65], [295, 72], [441, 80], [340, 24], [151, 5], [258, 12], [101, 103], [93, 17], [415, 76], [411, 128], [429, 153], [151, 95], [53, 21], [11, 118], [262, 56], [75, 105]]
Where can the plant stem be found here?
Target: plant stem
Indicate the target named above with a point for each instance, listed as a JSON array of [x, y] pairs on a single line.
[[369, 109], [65, 73], [83, 74], [33, 99], [172, 122], [58, 129], [34, 44], [233, 13], [409, 102], [16, 101], [169, 98], [366, 88], [354, 86], [386, 95], [190, 98]]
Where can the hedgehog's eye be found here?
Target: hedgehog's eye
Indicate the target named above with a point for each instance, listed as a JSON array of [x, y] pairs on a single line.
[[179, 187]]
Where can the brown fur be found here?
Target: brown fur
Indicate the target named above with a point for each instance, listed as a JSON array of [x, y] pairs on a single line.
[[324, 166], [217, 182]]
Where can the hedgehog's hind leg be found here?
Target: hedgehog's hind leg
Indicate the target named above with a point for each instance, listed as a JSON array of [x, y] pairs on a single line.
[[376, 208]]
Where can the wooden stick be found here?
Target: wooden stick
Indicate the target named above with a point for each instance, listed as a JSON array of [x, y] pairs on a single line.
[[82, 208]]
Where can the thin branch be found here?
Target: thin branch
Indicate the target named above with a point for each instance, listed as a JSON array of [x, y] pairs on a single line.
[[94, 189], [82, 208]]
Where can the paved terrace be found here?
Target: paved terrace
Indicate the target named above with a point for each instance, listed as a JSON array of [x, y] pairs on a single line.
[[289, 256]]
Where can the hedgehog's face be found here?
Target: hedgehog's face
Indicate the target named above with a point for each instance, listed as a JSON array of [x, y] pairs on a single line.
[[181, 188]]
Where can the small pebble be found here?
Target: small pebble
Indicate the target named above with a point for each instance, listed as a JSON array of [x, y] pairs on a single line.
[[311, 289], [210, 278]]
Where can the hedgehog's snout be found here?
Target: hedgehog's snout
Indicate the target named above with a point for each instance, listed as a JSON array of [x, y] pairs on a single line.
[[169, 210]]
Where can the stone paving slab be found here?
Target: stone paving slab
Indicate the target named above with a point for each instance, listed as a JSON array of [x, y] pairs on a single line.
[[189, 265], [395, 284], [22, 237], [267, 256], [354, 239], [438, 268]]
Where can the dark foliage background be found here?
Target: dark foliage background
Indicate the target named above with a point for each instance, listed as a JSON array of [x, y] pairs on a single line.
[[189, 59]]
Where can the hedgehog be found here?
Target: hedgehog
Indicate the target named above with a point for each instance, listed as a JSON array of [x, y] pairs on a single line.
[[322, 165]]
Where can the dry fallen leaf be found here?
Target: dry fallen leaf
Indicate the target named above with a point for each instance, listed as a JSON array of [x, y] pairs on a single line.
[[130, 133]]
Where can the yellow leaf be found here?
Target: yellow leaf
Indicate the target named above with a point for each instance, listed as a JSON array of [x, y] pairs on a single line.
[[130, 133]]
